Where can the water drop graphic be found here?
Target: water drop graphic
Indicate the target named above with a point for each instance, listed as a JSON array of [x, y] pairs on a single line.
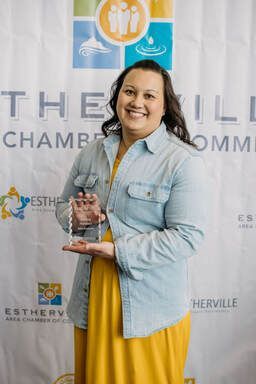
[[150, 48], [150, 40]]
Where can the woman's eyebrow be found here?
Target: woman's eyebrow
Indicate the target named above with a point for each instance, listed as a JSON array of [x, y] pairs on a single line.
[[144, 90]]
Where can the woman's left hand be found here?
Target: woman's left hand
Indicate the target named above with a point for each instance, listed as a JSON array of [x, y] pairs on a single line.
[[104, 249]]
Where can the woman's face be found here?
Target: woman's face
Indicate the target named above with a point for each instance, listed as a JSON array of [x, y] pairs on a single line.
[[140, 104]]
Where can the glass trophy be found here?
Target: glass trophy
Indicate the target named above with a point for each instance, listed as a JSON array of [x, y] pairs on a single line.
[[84, 220]]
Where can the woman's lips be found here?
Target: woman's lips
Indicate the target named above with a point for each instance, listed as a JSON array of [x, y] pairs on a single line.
[[136, 114]]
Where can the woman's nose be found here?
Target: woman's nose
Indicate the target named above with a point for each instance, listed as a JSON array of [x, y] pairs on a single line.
[[138, 100]]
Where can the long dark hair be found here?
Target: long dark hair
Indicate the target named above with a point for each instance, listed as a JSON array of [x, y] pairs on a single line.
[[173, 117]]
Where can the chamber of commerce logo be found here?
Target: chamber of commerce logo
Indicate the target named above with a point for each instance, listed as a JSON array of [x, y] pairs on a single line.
[[12, 204], [49, 294], [214, 304], [114, 33], [68, 378]]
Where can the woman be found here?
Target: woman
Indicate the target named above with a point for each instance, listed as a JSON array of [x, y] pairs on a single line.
[[129, 301]]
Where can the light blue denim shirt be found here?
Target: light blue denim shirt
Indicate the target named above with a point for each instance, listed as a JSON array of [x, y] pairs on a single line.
[[156, 208]]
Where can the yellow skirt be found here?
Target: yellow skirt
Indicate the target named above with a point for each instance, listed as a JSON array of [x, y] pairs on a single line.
[[103, 356]]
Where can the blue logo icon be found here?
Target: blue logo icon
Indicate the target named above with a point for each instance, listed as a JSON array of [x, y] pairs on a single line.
[[156, 45], [90, 50]]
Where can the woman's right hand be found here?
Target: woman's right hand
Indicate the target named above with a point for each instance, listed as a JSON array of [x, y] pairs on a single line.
[[86, 211]]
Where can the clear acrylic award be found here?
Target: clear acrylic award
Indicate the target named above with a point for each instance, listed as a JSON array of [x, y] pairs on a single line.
[[84, 220]]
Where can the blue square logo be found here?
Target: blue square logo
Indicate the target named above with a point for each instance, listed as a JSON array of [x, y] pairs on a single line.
[[90, 50], [156, 45]]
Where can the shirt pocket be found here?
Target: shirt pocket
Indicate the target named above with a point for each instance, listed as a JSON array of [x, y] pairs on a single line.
[[146, 203], [88, 182]]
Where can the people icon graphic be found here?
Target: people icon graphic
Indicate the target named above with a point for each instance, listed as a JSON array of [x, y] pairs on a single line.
[[135, 17], [13, 204], [123, 19], [112, 18], [122, 22]]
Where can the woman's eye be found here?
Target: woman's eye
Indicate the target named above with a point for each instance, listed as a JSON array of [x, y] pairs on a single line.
[[149, 96], [128, 92]]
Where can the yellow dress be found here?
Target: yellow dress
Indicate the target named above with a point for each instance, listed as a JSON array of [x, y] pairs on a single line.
[[103, 356]]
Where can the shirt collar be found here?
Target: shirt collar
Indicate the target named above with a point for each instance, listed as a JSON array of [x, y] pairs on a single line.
[[156, 138], [153, 141]]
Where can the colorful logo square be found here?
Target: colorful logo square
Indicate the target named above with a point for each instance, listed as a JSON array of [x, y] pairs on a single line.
[[160, 8], [85, 8], [49, 294], [90, 50], [157, 45]]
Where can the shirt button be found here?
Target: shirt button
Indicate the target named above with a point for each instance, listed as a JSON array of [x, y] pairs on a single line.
[[107, 181], [110, 210], [86, 290]]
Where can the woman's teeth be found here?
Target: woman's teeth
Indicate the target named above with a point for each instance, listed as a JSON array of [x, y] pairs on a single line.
[[136, 114]]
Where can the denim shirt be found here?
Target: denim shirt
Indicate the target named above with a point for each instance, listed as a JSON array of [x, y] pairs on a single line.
[[156, 209]]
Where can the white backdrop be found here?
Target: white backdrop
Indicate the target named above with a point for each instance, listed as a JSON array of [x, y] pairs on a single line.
[[54, 83]]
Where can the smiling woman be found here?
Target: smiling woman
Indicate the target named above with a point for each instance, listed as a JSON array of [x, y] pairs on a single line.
[[129, 301], [140, 104]]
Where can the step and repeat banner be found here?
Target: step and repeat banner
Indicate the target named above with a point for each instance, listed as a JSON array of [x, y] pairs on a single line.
[[58, 61]]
